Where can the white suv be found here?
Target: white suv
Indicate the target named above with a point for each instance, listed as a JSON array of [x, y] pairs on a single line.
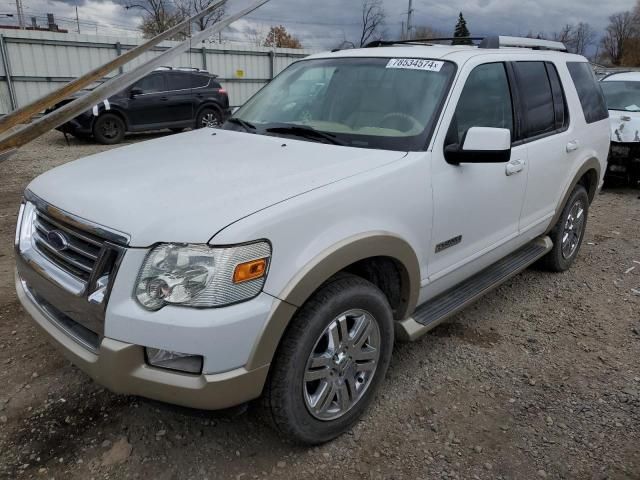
[[363, 195]]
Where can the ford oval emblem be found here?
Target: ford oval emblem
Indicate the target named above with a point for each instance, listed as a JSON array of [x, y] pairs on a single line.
[[57, 240]]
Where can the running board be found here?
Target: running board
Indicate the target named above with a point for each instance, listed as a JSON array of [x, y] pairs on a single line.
[[433, 312]]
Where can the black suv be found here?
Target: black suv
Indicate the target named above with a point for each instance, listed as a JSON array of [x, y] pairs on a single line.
[[174, 98]]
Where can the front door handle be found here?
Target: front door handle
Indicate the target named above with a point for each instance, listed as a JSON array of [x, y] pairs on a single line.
[[572, 146], [514, 166]]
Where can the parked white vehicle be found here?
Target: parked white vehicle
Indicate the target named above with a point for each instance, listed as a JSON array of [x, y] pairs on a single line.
[[362, 195], [622, 93]]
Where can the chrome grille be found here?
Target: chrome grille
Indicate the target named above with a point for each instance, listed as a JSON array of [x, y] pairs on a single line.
[[73, 250]]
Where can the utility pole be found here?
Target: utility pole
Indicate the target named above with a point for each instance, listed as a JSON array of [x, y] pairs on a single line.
[[409, 18], [20, 14], [77, 19]]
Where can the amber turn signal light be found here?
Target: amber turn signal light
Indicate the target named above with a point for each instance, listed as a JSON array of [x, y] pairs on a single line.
[[250, 270]]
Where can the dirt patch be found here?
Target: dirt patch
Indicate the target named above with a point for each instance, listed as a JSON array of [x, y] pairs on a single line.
[[539, 379]]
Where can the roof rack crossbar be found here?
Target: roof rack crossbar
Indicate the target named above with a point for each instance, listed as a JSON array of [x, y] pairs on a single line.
[[417, 41]]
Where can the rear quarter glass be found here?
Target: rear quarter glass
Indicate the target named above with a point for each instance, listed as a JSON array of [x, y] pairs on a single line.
[[589, 91]]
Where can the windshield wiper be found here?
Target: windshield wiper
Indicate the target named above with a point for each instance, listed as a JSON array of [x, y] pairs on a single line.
[[305, 132], [248, 126]]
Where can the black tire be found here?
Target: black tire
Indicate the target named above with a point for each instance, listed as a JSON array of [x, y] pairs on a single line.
[[109, 129], [560, 258], [177, 130], [285, 394], [209, 117]]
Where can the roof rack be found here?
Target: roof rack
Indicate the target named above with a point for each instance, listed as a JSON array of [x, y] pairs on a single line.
[[182, 69], [417, 41], [524, 42], [493, 41]]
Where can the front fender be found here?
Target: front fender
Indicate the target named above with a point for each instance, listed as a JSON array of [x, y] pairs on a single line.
[[322, 267]]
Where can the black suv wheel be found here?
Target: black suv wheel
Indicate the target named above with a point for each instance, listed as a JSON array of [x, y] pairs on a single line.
[[109, 129], [209, 117]]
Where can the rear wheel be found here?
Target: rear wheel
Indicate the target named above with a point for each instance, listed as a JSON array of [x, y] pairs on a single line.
[[568, 233], [331, 361], [109, 129], [209, 117]]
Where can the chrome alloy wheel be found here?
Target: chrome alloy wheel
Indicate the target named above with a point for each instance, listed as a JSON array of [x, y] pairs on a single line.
[[573, 230], [342, 364], [210, 120]]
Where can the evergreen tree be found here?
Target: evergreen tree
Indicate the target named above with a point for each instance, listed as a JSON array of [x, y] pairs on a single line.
[[461, 31]]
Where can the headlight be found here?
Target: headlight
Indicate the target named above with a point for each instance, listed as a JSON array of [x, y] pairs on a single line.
[[24, 228], [202, 276]]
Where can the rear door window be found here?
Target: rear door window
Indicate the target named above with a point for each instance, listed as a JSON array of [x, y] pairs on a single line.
[[559, 99], [589, 91], [537, 98]]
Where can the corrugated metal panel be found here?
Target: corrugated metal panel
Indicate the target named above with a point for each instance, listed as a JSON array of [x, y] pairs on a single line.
[[5, 102], [241, 91], [40, 60]]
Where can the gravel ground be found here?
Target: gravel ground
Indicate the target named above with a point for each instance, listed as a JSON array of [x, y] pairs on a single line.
[[540, 379]]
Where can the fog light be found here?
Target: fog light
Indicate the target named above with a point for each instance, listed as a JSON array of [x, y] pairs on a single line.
[[182, 362]]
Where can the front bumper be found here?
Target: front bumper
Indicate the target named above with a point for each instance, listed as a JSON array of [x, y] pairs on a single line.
[[82, 124], [624, 161], [121, 368]]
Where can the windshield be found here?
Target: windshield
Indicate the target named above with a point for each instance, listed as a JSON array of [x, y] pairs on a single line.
[[378, 103], [622, 95]]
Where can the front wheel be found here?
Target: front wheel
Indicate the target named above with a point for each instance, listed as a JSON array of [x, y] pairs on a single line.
[[568, 233], [331, 361], [109, 129]]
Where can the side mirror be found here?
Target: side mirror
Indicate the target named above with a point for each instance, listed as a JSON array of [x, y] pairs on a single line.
[[135, 91], [481, 145]]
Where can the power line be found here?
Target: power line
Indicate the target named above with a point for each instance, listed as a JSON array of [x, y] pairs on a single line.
[[301, 22]]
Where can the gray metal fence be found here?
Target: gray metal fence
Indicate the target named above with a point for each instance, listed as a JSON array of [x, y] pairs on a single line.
[[35, 63]]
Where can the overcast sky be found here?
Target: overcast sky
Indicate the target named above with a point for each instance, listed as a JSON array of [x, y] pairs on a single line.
[[322, 24]]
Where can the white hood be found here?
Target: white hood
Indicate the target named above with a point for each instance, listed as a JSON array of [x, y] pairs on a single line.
[[625, 126], [185, 188]]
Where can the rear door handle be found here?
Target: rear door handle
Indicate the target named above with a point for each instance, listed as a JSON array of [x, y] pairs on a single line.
[[164, 99], [514, 166], [572, 146]]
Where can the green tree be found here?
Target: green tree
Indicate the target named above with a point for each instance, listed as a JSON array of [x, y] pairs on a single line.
[[461, 32]]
